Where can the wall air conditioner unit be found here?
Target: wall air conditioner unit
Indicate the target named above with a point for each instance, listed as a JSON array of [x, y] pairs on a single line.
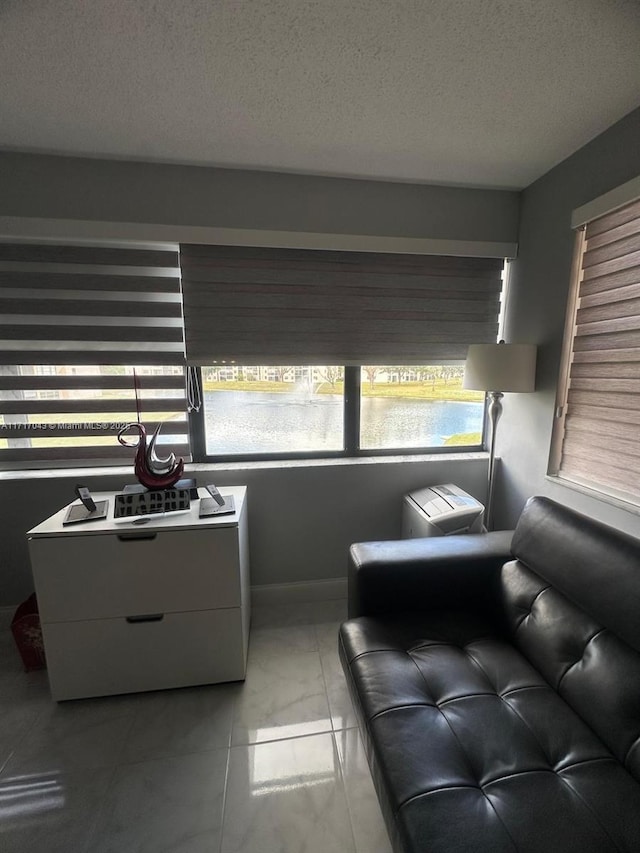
[[440, 511]]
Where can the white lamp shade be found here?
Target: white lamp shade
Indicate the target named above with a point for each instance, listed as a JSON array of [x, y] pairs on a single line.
[[500, 367]]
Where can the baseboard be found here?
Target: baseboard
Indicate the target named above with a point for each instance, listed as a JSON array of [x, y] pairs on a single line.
[[295, 593]]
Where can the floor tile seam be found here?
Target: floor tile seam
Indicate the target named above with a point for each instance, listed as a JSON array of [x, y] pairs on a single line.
[[326, 687], [5, 762], [169, 756], [316, 634], [102, 807], [323, 620], [258, 655], [345, 790], [37, 719], [125, 738], [225, 792], [14, 749], [249, 744]]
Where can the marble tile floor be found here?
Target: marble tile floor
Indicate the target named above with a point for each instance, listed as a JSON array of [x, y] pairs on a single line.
[[271, 765]]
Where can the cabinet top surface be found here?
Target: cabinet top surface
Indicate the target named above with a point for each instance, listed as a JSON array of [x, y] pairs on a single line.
[[184, 520]]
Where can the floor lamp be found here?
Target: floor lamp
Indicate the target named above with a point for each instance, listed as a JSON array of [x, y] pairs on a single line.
[[496, 369]]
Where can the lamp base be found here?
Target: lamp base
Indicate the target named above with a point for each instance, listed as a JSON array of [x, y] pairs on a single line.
[[494, 412]]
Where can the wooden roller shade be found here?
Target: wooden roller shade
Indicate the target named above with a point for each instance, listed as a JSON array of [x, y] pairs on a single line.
[[602, 420], [75, 321], [283, 306]]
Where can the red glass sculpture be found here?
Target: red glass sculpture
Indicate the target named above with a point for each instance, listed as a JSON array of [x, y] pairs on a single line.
[[152, 471]]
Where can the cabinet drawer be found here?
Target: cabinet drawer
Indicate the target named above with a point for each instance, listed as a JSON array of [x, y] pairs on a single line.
[[95, 577], [107, 656]]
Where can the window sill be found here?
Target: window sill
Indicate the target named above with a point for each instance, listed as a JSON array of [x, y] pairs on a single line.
[[596, 494], [193, 468]]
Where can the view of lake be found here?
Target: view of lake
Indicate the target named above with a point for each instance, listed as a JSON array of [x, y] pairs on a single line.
[[262, 422]]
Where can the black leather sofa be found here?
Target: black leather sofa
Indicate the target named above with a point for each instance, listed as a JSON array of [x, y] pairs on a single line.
[[498, 686]]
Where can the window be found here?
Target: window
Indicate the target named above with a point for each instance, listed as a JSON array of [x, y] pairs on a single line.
[[595, 440], [418, 406], [261, 410], [266, 410], [287, 349], [302, 309]]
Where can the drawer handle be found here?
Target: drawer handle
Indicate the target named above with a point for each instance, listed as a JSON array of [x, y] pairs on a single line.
[[146, 617], [135, 536]]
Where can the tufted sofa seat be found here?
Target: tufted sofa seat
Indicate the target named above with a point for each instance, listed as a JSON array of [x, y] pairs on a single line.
[[498, 686]]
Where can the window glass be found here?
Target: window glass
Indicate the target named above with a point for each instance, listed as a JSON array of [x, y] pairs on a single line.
[[272, 409], [418, 406]]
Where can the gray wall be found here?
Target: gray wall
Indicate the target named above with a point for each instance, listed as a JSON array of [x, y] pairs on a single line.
[[302, 518], [536, 314], [83, 189]]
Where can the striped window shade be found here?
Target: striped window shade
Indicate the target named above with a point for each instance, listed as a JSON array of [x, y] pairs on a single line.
[[599, 412], [286, 306], [91, 339]]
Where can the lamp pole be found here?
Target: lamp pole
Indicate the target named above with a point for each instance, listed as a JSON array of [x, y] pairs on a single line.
[[495, 410]]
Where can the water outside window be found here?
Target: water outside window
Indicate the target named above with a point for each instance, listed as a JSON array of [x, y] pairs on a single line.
[[418, 406], [270, 409]]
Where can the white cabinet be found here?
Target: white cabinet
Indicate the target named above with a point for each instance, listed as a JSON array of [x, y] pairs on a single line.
[[127, 607]]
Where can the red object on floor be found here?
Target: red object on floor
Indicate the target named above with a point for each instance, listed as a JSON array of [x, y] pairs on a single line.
[[27, 632]]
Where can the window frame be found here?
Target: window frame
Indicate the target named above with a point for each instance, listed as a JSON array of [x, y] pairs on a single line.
[[351, 435]]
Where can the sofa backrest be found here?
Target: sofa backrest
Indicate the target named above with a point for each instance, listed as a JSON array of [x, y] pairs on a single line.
[[572, 602]]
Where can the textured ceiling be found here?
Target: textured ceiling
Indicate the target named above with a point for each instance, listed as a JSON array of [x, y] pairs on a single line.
[[468, 92]]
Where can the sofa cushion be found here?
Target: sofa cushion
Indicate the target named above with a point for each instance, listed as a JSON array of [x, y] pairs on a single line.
[[571, 603], [473, 750], [593, 565]]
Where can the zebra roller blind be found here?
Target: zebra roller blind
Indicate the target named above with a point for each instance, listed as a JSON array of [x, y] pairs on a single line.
[[92, 338], [285, 306], [600, 409]]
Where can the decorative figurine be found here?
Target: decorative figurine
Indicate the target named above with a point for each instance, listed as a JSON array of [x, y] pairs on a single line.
[[152, 471]]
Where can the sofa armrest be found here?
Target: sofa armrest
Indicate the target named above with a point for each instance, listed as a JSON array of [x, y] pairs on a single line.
[[422, 574]]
